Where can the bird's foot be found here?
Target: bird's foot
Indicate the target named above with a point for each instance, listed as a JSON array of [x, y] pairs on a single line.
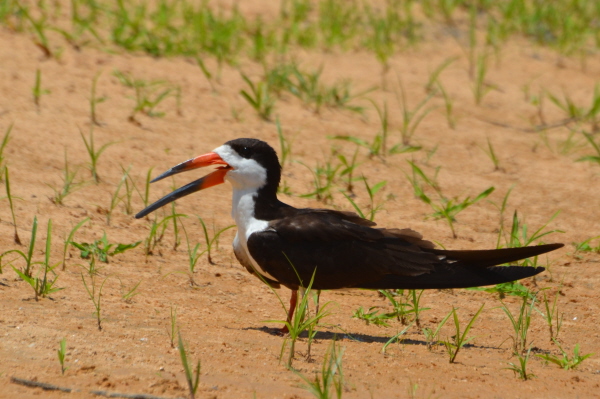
[[283, 331]]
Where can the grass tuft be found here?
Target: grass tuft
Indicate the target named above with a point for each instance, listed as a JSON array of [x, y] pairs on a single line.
[[459, 339], [566, 362], [331, 376], [191, 376]]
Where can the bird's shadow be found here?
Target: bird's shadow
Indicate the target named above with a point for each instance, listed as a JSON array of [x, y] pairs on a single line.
[[331, 335], [366, 338]]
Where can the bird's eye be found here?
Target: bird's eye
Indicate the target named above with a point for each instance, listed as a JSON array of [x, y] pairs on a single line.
[[245, 152]]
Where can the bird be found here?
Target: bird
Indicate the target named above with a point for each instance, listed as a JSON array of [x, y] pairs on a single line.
[[292, 247]]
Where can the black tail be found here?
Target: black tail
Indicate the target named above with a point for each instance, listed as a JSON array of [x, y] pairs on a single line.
[[493, 257], [463, 269], [448, 276]]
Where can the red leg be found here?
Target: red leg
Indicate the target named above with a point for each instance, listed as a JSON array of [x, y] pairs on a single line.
[[293, 302]]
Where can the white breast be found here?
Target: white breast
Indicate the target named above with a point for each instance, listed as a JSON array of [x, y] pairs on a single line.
[[242, 212]]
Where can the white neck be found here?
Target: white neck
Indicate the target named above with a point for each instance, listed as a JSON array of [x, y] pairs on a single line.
[[242, 211], [242, 206]]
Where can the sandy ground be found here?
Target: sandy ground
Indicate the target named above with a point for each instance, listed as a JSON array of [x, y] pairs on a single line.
[[223, 318]]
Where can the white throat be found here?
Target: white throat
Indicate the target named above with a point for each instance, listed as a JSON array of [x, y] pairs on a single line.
[[242, 208], [242, 211]]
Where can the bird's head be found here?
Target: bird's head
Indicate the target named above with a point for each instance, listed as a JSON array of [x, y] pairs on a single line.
[[248, 164]]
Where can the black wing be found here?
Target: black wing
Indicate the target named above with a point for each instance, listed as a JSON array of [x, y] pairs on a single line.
[[347, 254], [344, 253]]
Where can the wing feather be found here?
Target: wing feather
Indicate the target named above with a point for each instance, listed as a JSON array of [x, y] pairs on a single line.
[[343, 253]]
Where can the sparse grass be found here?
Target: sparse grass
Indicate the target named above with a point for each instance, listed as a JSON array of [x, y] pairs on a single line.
[[62, 354], [404, 303], [419, 186], [191, 376], [129, 184], [94, 154], [395, 338], [459, 339], [580, 114], [323, 181], [115, 199], [188, 29], [301, 321], [92, 269], [94, 100], [28, 258], [520, 324], [491, 153], [374, 147], [173, 327], [3, 144], [566, 362], [176, 239], [37, 89], [586, 246], [285, 145], [127, 294], [68, 241], [551, 316], [520, 369], [308, 87], [372, 316], [411, 118], [449, 106], [10, 198], [192, 253], [95, 294], [520, 237], [444, 208], [148, 95], [387, 30], [146, 196], [563, 147], [39, 27], [155, 235], [84, 15], [401, 306], [207, 74], [379, 147], [215, 238], [384, 122], [259, 98], [480, 86], [451, 207], [432, 336], [183, 28], [372, 208], [347, 171], [68, 183], [332, 375], [433, 81], [101, 249], [415, 301], [591, 158], [512, 288], [44, 285]]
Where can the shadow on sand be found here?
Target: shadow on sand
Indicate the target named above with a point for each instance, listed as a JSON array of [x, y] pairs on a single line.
[[328, 336]]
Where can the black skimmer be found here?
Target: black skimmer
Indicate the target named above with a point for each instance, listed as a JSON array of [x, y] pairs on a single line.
[[287, 246]]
